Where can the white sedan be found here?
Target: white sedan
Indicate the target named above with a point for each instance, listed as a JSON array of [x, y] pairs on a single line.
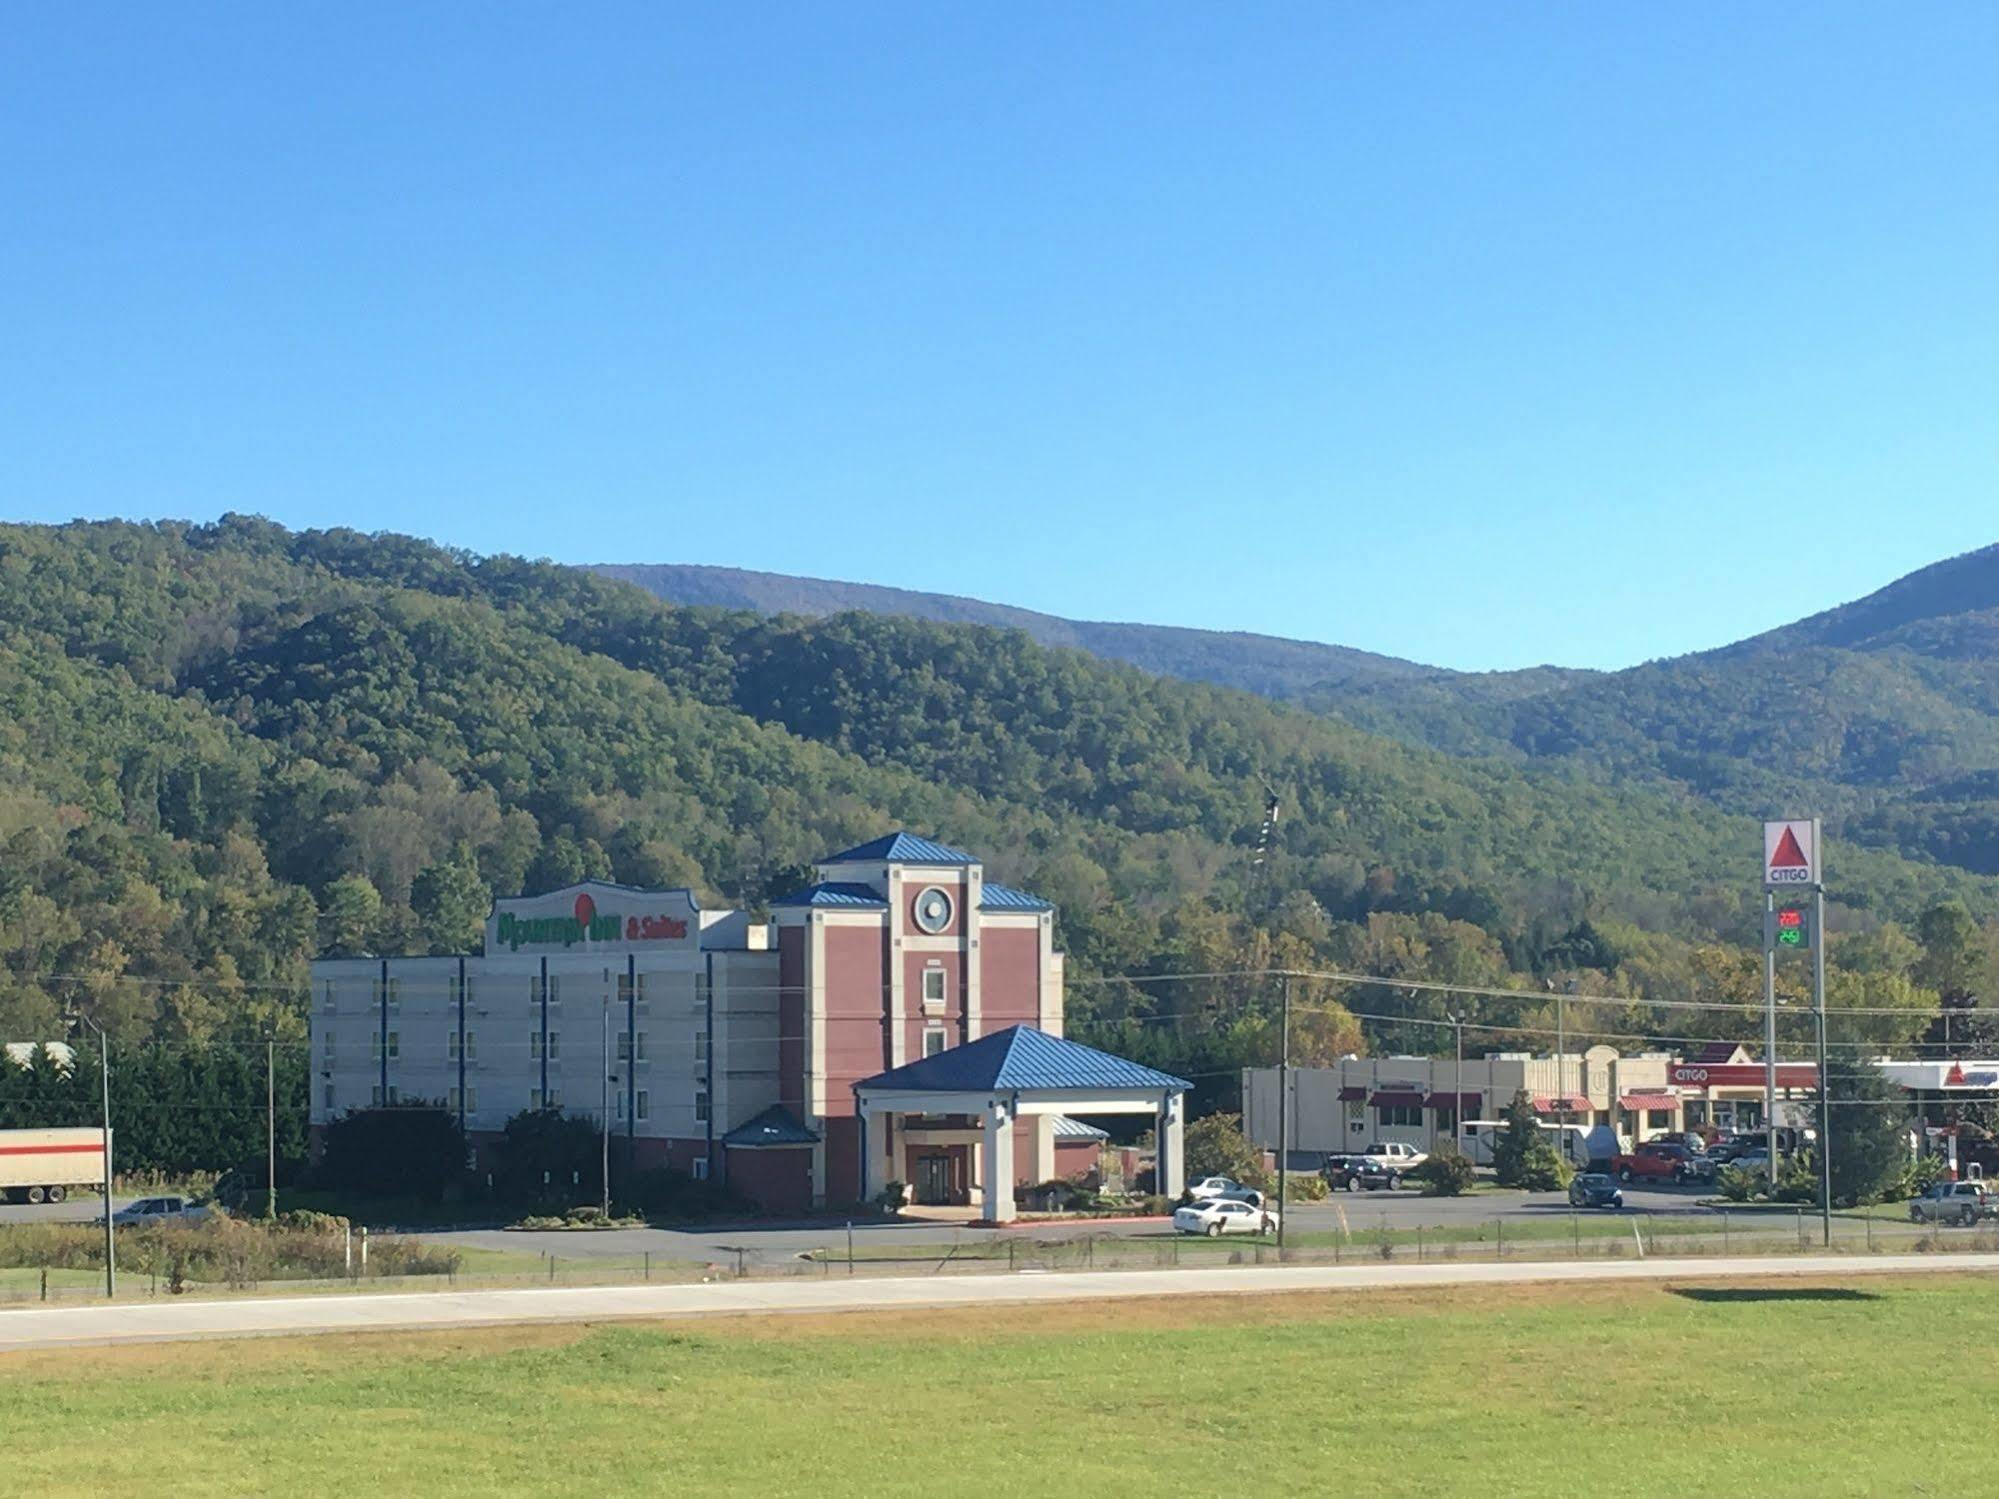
[[1218, 1216], [1215, 1186]]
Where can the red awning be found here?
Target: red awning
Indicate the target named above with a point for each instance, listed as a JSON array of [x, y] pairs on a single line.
[[1391, 1100], [1443, 1101], [1352, 1095], [1546, 1105], [1637, 1101]]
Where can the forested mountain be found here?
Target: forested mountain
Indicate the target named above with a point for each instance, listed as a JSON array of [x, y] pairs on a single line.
[[1264, 664], [227, 747], [1881, 715]]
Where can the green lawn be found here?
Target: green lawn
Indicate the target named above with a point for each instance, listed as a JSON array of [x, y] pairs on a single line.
[[1792, 1389]]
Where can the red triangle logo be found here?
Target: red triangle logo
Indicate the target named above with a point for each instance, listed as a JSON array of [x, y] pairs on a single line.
[[1955, 1077], [1789, 855]]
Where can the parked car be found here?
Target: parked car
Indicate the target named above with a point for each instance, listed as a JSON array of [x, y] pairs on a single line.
[[1358, 1173], [1221, 1215], [1249, 1195], [1214, 1186], [1963, 1203], [1595, 1189], [1755, 1160], [158, 1210], [1396, 1155], [1655, 1160]]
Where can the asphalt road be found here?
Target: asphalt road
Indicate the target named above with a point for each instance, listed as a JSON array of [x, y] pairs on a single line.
[[760, 1245], [148, 1322]]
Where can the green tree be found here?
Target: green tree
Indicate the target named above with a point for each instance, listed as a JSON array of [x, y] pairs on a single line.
[[349, 913], [1216, 1146], [1522, 1156], [549, 1159], [408, 1150], [452, 902], [1869, 1122]]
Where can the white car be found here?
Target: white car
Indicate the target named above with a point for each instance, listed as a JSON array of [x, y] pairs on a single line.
[[158, 1210], [1220, 1215], [1215, 1186]]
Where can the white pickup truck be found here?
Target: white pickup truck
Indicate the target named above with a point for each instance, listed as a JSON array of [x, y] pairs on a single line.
[[1396, 1156]]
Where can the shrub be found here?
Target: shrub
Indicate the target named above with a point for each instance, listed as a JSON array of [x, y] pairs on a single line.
[[1736, 1184], [1216, 1146], [548, 1159], [1448, 1173], [411, 1150], [1924, 1172], [1306, 1186], [892, 1196], [1544, 1171], [662, 1192]]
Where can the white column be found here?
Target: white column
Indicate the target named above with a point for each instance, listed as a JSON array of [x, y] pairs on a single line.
[[1044, 1147], [1171, 1172], [999, 1163]]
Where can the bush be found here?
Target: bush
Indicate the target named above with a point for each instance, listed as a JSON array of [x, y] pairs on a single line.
[[892, 1196], [1798, 1179], [1216, 1146], [548, 1159], [1543, 1170], [1924, 1172], [1736, 1184], [1306, 1186], [234, 1251], [662, 1192], [411, 1150], [1448, 1173]]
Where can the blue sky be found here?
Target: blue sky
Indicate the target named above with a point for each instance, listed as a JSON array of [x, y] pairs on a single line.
[[1484, 335]]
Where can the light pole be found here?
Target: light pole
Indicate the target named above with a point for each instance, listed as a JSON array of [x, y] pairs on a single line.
[[104, 1079], [1458, 1082]]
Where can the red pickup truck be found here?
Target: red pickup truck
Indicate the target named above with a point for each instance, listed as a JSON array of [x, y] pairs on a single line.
[[1659, 1160]]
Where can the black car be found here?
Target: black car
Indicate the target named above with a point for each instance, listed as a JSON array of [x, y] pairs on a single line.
[[1352, 1173]]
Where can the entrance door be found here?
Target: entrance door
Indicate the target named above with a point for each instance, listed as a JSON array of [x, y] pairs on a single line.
[[933, 1180]]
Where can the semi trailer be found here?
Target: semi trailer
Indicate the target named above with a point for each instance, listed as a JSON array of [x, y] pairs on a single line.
[[46, 1165]]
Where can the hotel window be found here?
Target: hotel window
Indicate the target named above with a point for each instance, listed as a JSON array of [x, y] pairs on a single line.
[[395, 1045], [621, 1104], [534, 1098], [645, 1104], [554, 1045], [933, 1040], [554, 989], [624, 1047], [534, 1046], [700, 1046], [326, 999], [329, 1098], [701, 1169], [701, 1106], [326, 1048], [933, 987]]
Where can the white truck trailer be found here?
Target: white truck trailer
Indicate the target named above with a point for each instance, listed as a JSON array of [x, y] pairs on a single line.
[[42, 1165]]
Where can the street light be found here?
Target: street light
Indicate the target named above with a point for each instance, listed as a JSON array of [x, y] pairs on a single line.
[[75, 1019]]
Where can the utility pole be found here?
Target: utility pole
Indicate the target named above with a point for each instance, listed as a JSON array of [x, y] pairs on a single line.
[[1825, 1088], [604, 1108], [1283, 1115], [1458, 1082], [1770, 1039], [110, 1244], [270, 1129], [76, 1019]]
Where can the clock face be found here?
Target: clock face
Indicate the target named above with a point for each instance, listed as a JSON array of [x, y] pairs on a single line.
[[933, 910]]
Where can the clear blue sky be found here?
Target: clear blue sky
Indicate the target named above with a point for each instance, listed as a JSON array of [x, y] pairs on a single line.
[[1482, 334]]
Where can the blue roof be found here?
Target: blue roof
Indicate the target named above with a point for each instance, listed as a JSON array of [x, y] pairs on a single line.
[[832, 894], [1006, 898], [776, 1125], [1074, 1129], [901, 848], [1021, 1057]]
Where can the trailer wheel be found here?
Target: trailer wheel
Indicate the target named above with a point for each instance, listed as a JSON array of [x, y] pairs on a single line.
[[35, 1194], [57, 1194]]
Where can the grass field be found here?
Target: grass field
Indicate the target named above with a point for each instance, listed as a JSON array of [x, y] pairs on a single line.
[[1774, 1388]]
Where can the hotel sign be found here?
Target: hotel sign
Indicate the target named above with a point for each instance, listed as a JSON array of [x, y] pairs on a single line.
[[592, 915]]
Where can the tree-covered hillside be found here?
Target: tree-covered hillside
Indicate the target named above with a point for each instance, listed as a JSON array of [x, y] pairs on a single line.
[[227, 747]]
